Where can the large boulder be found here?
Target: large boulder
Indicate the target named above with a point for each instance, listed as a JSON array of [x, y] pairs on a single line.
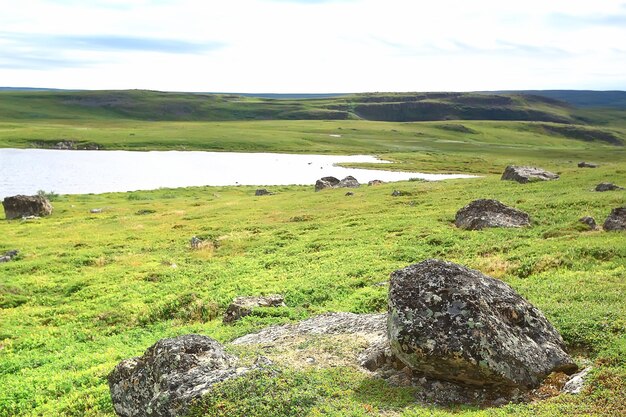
[[171, 373], [348, 182], [332, 182], [243, 306], [453, 323], [489, 213], [616, 220], [525, 174], [607, 186], [23, 206]]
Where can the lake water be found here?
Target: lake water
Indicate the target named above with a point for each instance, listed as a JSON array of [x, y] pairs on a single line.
[[25, 171]]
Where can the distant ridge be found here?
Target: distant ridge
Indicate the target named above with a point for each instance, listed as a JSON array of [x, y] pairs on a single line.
[[577, 98]]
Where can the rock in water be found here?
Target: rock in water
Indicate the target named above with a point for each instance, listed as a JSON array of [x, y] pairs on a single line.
[[607, 186], [526, 174], [24, 206], [170, 374], [616, 220], [453, 323], [489, 213], [243, 306]]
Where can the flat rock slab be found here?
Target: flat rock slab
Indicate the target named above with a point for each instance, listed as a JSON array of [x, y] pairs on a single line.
[[616, 220], [25, 206], [526, 174], [456, 324], [480, 214], [243, 306], [169, 376], [607, 186]]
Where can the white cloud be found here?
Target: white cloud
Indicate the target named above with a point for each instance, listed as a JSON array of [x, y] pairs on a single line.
[[313, 45]]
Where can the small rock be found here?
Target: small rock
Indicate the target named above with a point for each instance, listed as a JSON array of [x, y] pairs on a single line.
[[262, 191], [95, 211], [616, 220], [526, 174], [9, 255], [310, 361], [26, 206], [396, 193], [375, 182], [349, 193], [243, 306], [143, 212], [453, 323], [490, 213], [576, 382], [607, 186], [587, 165], [195, 242], [169, 376], [589, 221]]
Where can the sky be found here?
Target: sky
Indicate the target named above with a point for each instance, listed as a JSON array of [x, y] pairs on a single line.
[[313, 46]]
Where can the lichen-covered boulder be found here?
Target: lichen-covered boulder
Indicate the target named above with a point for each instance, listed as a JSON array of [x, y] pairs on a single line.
[[24, 205], [243, 306], [169, 376], [616, 220], [453, 323], [525, 174], [489, 213], [607, 186]]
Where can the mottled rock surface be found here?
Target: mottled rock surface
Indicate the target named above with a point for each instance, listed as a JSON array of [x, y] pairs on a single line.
[[489, 213], [587, 165], [525, 174], [171, 373], [589, 221], [576, 382], [243, 306], [375, 182], [24, 206], [453, 323], [616, 220], [261, 192], [607, 186], [348, 182]]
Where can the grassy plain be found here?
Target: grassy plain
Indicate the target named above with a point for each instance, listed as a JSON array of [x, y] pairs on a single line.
[[89, 290]]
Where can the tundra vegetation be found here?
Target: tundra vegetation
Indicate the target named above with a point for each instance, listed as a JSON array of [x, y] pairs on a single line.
[[89, 289]]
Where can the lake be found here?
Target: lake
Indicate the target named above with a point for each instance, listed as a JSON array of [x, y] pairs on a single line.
[[25, 171]]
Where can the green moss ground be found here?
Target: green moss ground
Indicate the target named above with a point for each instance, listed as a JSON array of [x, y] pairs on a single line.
[[89, 290]]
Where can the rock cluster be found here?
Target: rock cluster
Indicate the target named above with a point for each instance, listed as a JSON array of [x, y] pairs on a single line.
[[169, 376], [332, 182], [453, 323], [489, 213], [243, 306], [526, 174], [9, 255], [24, 206], [616, 220]]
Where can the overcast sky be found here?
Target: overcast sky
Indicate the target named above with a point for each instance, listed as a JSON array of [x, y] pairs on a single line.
[[313, 46]]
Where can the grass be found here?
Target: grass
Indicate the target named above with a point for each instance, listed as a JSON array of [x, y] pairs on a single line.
[[92, 289]]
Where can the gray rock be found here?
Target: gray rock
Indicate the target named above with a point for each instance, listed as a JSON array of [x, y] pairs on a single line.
[[489, 213], [576, 383], [616, 220], [243, 306], [332, 182], [607, 186], [526, 174], [589, 221], [195, 242], [348, 182], [262, 191], [396, 193], [9, 255], [95, 211], [587, 165], [375, 182], [171, 373], [453, 323], [25, 206]]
